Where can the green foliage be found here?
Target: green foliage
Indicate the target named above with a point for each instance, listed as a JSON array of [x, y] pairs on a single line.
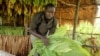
[[85, 27], [59, 45], [85, 36], [7, 30], [27, 1], [40, 2], [44, 2]]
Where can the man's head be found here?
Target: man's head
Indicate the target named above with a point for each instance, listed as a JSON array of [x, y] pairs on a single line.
[[49, 11]]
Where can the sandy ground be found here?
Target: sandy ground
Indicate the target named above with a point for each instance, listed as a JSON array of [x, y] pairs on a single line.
[[3, 53]]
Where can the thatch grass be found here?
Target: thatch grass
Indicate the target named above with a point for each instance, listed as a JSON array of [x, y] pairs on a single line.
[[66, 11], [17, 45]]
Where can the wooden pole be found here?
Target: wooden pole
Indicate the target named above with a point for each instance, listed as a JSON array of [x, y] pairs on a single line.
[[76, 19], [60, 22]]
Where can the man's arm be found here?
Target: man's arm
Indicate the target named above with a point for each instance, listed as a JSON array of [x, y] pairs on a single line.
[[35, 34], [34, 24], [43, 38]]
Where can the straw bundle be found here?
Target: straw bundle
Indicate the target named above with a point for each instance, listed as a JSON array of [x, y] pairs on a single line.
[[17, 45]]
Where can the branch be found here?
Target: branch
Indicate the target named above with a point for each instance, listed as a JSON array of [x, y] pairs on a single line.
[[66, 3], [91, 46]]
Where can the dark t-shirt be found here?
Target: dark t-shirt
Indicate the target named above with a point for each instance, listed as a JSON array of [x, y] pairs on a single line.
[[40, 26]]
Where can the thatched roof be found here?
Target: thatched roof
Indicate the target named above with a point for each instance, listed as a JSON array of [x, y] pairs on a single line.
[[65, 12]]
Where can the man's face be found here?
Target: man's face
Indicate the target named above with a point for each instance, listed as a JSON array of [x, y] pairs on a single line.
[[49, 13]]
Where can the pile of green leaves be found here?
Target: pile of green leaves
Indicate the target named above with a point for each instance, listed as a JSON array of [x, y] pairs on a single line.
[[59, 45], [85, 27], [7, 30], [85, 35]]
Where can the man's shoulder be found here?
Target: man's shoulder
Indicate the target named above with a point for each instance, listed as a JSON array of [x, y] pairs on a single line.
[[37, 17], [55, 19], [38, 13]]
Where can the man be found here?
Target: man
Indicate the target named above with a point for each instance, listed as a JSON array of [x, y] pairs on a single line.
[[43, 24]]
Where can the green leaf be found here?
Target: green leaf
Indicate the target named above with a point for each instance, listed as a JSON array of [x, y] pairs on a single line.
[[25, 10], [12, 1], [60, 45], [32, 52], [49, 53], [54, 2], [27, 1], [36, 2]]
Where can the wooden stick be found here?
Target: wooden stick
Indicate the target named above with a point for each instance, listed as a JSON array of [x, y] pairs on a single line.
[[91, 46], [76, 19]]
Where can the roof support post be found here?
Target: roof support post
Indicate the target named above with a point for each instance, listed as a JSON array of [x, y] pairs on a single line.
[[76, 19]]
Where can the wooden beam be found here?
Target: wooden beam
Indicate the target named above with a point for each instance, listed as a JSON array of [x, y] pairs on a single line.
[[66, 3], [85, 33], [97, 17]]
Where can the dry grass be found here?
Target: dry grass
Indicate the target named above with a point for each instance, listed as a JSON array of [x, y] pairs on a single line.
[[17, 45]]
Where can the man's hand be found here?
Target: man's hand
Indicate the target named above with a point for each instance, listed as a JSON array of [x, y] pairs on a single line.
[[45, 41]]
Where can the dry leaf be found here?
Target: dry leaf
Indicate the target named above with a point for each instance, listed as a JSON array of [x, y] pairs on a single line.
[[12, 1], [25, 10], [19, 11], [0, 1]]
